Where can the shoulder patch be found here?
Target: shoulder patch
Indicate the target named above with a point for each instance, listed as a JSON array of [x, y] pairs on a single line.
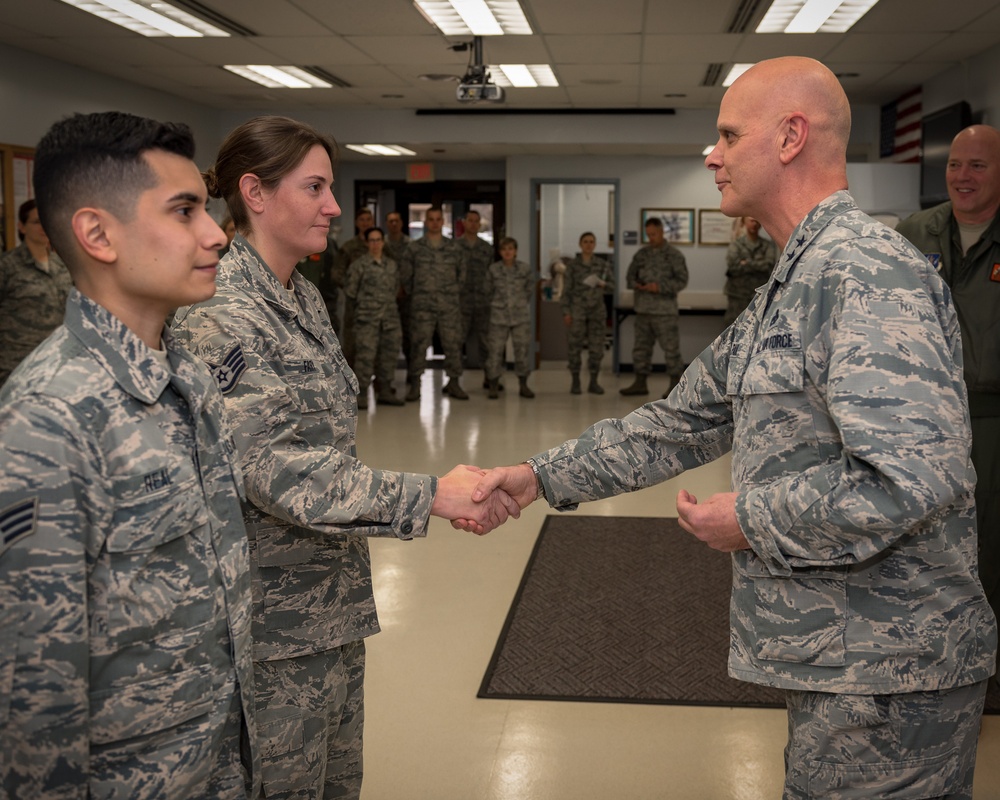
[[995, 273], [935, 259], [17, 521], [227, 374]]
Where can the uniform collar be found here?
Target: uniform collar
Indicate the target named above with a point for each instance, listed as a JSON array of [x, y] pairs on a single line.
[[261, 281], [118, 350], [809, 228], [939, 223]]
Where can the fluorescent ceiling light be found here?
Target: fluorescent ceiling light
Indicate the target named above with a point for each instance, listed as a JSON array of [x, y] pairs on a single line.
[[148, 17], [523, 75], [278, 77], [475, 17], [708, 150], [735, 72], [812, 16], [380, 149]]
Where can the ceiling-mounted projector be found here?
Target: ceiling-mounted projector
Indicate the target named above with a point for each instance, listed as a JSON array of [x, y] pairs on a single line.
[[476, 86], [474, 92]]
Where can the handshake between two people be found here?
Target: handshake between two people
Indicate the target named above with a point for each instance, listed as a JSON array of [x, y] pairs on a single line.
[[479, 500]]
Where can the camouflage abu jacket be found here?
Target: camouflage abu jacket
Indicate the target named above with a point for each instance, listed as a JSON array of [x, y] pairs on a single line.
[[478, 257], [292, 402], [372, 287], [664, 266], [512, 293], [578, 298], [125, 664], [840, 394], [32, 304]]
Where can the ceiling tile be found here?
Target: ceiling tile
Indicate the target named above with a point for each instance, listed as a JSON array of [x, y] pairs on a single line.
[[382, 18], [598, 74], [864, 47], [326, 50], [586, 16], [612, 49]]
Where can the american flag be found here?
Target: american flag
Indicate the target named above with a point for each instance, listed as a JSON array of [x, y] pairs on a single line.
[[899, 138]]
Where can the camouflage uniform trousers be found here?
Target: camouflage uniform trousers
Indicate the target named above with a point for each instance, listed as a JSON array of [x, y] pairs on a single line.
[[521, 337], [652, 328], [310, 712], [448, 323], [920, 744], [377, 343], [405, 323], [588, 329], [476, 334]]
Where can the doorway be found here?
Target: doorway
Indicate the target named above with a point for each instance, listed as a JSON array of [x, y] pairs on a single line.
[[564, 210]]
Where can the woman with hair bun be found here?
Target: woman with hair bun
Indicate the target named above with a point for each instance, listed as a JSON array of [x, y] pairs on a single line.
[[310, 503]]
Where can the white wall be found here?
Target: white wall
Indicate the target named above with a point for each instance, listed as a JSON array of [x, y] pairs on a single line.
[[38, 91], [567, 210], [976, 80]]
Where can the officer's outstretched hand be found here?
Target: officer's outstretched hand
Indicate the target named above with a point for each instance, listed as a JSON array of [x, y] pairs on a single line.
[[454, 501]]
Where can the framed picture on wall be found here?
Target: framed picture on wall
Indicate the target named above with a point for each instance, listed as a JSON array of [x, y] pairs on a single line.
[[714, 227], [678, 224]]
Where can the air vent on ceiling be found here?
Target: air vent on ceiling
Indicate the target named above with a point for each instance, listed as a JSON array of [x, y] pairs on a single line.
[[746, 13], [712, 75], [217, 19], [329, 77]]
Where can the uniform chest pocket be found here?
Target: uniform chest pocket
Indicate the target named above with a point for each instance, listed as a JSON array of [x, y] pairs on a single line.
[[161, 565], [318, 391], [771, 372]]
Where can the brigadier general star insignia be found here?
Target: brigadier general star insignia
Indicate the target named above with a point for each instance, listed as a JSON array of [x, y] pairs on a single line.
[[228, 373]]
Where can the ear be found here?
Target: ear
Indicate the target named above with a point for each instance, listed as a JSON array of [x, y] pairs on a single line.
[[252, 192], [794, 133], [90, 227]]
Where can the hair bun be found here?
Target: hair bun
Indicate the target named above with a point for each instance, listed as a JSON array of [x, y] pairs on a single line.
[[211, 182]]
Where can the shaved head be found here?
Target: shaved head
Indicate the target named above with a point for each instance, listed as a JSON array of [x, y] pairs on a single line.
[[785, 86], [973, 174], [784, 127]]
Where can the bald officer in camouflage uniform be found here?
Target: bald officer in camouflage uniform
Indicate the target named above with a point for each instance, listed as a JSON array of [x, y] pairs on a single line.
[[34, 285], [124, 571], [852, 520], [657, 273], [749, 262], [372, 285], [433, 273], [475, 301]]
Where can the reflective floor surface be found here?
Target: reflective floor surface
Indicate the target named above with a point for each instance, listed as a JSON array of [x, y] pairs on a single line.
[[442, 602]]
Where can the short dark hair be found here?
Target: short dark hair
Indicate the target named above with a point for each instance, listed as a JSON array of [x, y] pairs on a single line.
[[506, 240], [585, 234], [654, 222], [363, 210], [97, 160], [270, 147], [23, 212], [374, 228], [473, 211]]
